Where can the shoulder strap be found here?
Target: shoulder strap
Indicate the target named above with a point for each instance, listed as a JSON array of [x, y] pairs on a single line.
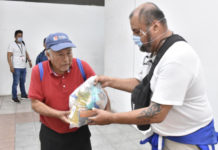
[[79, 63], [41, 71], [169, 42]]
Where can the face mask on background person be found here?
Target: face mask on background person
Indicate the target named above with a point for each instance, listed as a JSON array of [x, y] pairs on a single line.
[[20, 39]]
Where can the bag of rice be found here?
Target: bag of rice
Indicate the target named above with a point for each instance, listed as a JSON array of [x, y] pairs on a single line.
[[83, 99]]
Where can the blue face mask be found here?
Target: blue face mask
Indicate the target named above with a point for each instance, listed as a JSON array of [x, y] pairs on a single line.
[[137, 40], [20, 39]]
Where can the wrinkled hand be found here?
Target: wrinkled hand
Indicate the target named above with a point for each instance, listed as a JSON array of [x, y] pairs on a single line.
[[102, 117], [63, 116], [12, 69], [104, 80]]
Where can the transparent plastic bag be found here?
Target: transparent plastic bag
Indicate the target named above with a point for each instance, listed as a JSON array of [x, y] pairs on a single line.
[[83, 99]]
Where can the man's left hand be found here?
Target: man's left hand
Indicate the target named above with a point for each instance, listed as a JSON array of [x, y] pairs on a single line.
[[102, 117]]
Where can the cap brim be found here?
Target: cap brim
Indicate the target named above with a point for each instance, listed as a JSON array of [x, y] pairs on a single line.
[[62, 46]]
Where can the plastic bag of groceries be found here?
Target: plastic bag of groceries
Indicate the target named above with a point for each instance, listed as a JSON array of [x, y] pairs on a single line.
[[83, 99]]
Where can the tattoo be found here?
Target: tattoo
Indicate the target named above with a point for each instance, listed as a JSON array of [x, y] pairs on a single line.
[[145, 116], [151, 111]]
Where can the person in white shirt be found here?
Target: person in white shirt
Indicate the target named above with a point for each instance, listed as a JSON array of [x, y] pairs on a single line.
[[179, 104], [17, 56]]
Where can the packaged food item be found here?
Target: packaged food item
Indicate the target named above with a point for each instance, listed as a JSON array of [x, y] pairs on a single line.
[[81, 102]]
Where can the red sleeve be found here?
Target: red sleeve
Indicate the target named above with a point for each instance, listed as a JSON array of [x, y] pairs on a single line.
[[35, 89], [88, 70]]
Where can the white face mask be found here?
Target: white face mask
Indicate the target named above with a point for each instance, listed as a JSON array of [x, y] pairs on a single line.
[[20, 39]]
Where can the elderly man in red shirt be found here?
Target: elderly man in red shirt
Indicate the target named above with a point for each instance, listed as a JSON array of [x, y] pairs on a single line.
[[51, 84]]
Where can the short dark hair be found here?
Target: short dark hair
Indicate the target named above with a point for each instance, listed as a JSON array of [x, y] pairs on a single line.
[[151, 14], [17, 32], [44, 40]]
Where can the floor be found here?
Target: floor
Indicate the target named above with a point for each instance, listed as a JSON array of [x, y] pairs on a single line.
[[19, 129]]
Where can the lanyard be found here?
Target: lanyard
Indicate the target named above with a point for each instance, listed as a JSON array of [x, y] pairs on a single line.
[[20, 48]]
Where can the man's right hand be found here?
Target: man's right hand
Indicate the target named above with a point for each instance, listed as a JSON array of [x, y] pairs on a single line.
[[104, 80], [63, 116], [127, 84], [12, 69]]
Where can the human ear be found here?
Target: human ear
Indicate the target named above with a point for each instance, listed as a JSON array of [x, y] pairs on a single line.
[[47, 53], [156, 26]]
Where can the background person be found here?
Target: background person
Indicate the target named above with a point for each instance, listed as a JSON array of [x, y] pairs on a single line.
[[17, 56], [42, 55]]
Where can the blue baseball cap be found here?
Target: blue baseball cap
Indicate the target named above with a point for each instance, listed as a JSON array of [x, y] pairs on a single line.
[[58, 41]]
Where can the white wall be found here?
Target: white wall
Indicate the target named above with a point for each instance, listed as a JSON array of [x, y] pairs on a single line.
[[118, 48], [197, 21], [83, 24], [86, 25]]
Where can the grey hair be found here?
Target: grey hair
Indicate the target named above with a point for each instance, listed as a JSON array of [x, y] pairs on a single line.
[[48, 51]]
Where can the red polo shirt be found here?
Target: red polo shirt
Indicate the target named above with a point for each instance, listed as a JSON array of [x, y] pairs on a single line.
[[54, 91]]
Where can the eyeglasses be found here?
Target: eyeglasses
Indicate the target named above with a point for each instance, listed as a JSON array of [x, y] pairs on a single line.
[[142, 32]]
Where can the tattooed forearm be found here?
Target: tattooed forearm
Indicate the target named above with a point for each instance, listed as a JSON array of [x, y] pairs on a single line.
[[151, 111], [155, 113], [145, 115]]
